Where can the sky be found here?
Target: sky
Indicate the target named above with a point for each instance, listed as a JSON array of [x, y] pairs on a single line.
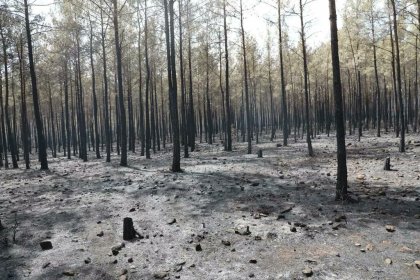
[[256, 15]]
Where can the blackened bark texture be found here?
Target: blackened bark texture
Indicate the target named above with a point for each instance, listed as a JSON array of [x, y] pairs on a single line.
[[123, 124], [247, 105], [172, 80], [227, 86], [147, 99], [24, 112], [306, 80], [184, 130], [341, 185], [95, 101], [10, 135], [42, 147], [399, 82]]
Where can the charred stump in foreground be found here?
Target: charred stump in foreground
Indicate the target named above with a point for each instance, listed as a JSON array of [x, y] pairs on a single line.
[[387, 166], [129, 233]]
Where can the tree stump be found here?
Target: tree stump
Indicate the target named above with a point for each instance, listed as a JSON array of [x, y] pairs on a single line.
[[387, 166], [260, 153], [129, 233]]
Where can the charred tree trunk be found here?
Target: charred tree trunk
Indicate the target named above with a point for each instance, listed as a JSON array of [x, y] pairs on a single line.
[[341, 186], [172, 81], [227, 86], [123, 124], [42, 148], [399, 82], [95, 101], [247, 105], [306, 78]]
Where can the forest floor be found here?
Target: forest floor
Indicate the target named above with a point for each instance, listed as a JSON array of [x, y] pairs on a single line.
[[195, 223]]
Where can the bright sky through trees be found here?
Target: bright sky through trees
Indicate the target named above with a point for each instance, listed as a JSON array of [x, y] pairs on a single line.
[[257, 13]]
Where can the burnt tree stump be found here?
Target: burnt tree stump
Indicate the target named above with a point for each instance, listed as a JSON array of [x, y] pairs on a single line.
[[387, 166], [260, 153], [129, 233]]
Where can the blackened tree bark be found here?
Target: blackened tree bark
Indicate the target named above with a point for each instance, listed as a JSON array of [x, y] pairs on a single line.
[[172, 81], [306, 80], [81, 120], [191, 115], [399, 82], [3, 128], [248, 109], [42, 148], [66, 107], [147, 99], [375, 63], [209, 121], [341, 185], [95, 101], [108, 136], [183, 87], [141, 105], [53, 136], [10, 137], [227, 86], [123, 124], [23, 108]]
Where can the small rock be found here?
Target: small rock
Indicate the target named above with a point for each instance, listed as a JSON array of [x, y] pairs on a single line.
[[123, 277], [255, 184], [287, 209], [272, 235], [172, 221], [130, 260], [390, 228], [45, 265], [46, 245], [243, 231], [357, 244], [388, 261], [68, 273], [369, 247], [124, 272], [132, 209], [160, 275], [307, 272], [258, 238], [226, 242], [251, 275], [88, 261], [417, 263], [292, 229], [198, 248], [100, 234], [116, 249], [336, 226], [360, 177], [253, 261], [340, 218]]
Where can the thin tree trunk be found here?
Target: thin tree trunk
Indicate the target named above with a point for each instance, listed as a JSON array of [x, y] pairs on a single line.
[[306, 78], [398, 68], [42, 149], [123, 124], [341, 186]]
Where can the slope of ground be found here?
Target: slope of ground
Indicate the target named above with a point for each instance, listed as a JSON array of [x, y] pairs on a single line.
[[228, 216]]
